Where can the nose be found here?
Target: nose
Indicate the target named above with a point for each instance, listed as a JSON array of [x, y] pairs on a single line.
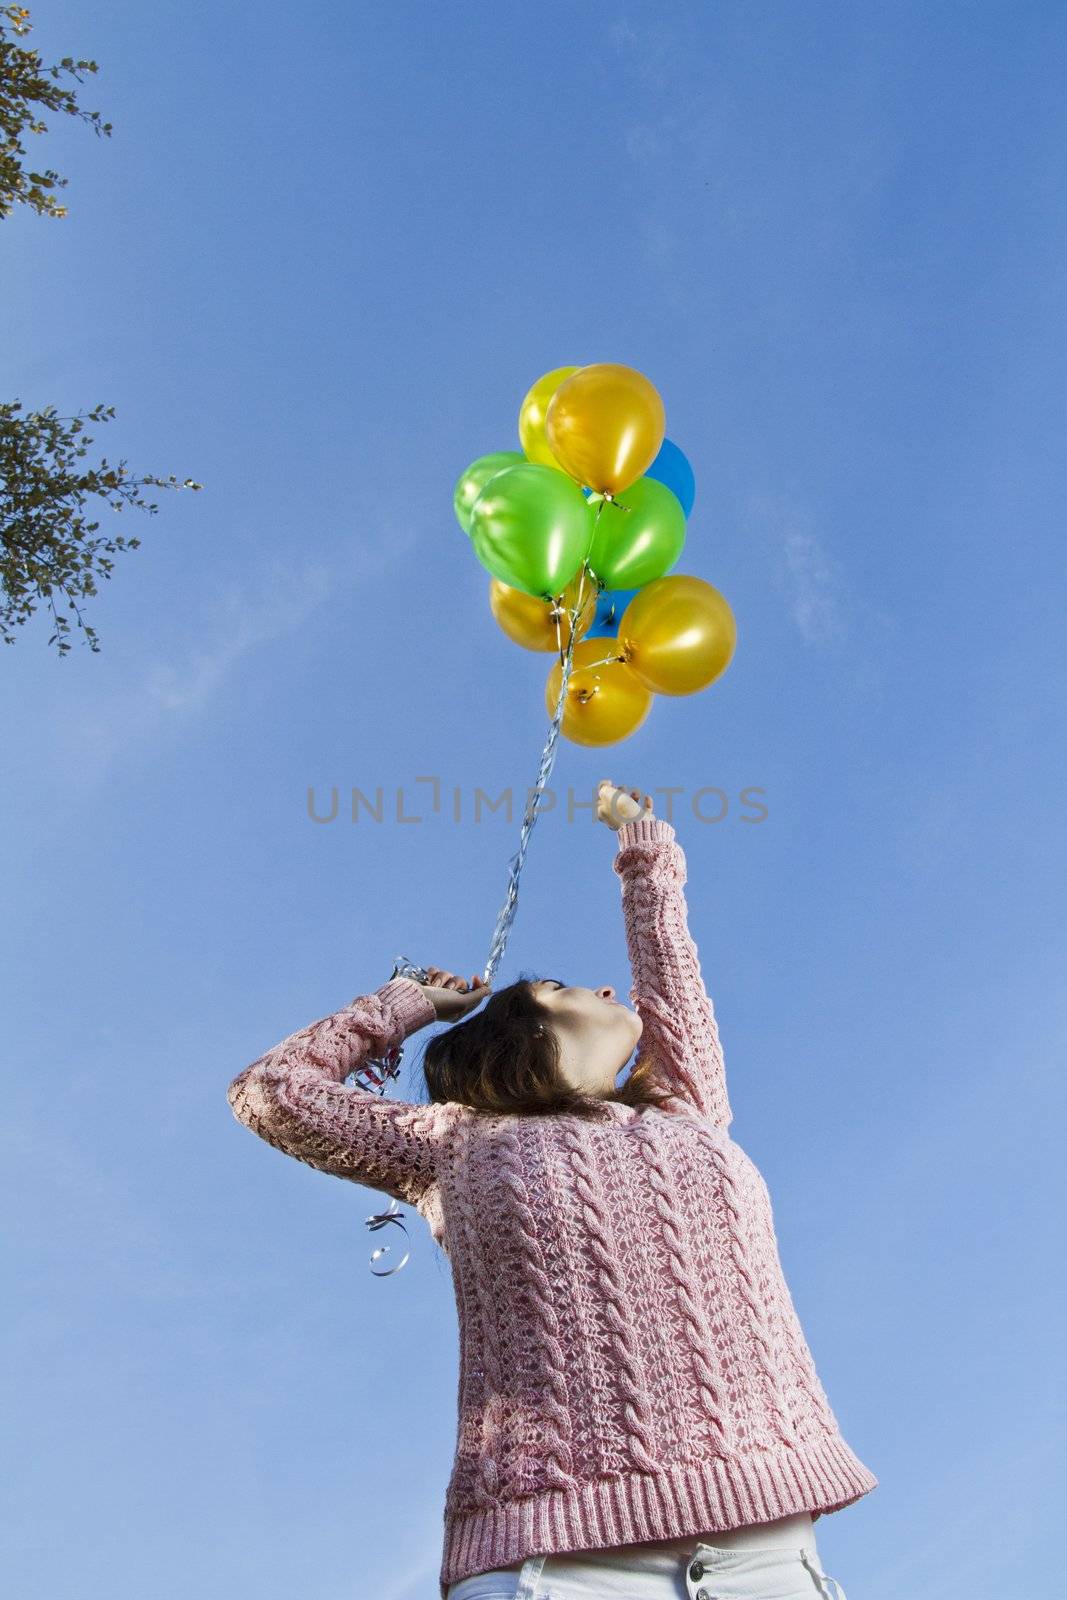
[[606, 992]]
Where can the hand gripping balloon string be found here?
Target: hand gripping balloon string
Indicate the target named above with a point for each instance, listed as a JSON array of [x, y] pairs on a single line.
[[376, 1071]]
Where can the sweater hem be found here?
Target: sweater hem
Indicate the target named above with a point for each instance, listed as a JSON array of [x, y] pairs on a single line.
[[696, 1498]]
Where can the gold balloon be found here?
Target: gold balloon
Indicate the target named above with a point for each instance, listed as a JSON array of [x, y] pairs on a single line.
[[678, 634], [605, 425], [604, 701], [528, 619], [532, 417]]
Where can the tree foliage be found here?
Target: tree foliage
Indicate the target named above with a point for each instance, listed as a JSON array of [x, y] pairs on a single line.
[[24, 86], [49, 552]]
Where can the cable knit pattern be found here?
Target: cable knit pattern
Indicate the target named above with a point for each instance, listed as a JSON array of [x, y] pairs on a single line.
[[668, 991], [700, 1341], [540, 1359], [631, 1363], [616, 1304]]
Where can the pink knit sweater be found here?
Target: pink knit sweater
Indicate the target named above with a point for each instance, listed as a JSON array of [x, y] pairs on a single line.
[[631, 1364]]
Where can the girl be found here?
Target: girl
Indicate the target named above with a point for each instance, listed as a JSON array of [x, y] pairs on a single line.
[[639, 1412]]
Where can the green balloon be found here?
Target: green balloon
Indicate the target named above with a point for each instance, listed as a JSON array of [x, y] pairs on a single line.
[[475, 479], [633, 546], [530, 527]]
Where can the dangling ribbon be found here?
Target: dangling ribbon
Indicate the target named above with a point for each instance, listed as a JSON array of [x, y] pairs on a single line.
[[377, 1072], [379, 1221], [373, 1075]]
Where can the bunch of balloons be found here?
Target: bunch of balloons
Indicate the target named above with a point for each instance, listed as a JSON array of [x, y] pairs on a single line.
[[580, 531]]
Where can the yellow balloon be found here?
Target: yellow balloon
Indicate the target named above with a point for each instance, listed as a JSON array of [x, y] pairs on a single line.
[[604, 701], [678, 634], [605, 425], [532, 417], [528, 619]]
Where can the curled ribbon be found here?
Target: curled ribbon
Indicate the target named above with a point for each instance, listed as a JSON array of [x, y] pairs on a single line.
[[379, 1221], [373, 1075]]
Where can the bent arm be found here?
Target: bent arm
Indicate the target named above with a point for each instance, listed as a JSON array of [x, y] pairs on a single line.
[[296, 1099], [679, 1027]]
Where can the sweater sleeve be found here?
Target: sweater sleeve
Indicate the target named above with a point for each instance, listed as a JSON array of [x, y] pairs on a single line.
[[668, 993], [296, 1099]]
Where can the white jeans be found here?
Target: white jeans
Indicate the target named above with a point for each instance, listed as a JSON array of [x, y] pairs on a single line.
[[767, 1561]]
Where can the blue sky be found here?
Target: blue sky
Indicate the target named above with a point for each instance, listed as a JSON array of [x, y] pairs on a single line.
[[316, 267]]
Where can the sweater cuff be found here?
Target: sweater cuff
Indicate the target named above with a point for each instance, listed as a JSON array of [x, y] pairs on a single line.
[[406, 1005], [643, 830]]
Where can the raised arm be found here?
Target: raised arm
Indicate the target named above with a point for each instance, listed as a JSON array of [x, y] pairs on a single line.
[[296, 1099], [668, 990]]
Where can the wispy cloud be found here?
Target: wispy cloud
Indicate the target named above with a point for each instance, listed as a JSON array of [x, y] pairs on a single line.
[[653, 51], [279, 601], [804, 572], [812, 584], [671, 132], [274, 601]]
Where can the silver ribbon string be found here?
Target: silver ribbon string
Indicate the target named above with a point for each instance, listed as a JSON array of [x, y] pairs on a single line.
[[532, 810], [375, 1073]]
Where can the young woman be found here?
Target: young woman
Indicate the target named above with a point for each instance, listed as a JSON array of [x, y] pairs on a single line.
[[639, 1412]]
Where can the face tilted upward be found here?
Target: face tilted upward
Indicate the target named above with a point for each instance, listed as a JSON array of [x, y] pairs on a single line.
[[597, 1033]]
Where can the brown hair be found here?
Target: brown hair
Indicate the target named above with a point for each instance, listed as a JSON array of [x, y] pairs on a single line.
[[505, 1058]]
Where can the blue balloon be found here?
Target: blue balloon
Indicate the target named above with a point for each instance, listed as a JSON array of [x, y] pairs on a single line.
[[610, 605], [671, 467]]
